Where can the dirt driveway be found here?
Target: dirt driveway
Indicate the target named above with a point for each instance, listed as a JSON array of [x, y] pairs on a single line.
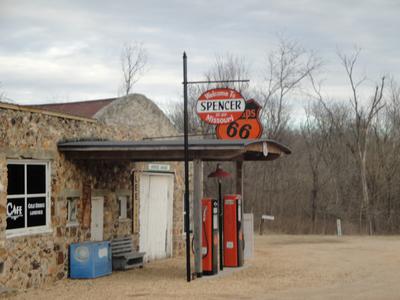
[[284, 267]]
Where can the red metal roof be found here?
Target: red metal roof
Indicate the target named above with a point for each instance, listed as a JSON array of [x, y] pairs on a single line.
[[82, 108]]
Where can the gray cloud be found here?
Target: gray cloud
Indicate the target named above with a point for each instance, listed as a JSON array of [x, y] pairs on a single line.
[[70, 49]]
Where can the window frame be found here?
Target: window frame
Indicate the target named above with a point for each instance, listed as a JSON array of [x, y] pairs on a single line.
[[36, 229], [120, 210]]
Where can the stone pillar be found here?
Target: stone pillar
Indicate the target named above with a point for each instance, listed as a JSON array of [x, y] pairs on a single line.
[[239, 177], [197, 215]]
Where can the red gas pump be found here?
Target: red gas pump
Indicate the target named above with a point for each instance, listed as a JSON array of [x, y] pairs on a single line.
[[210, 236], [233, 231]]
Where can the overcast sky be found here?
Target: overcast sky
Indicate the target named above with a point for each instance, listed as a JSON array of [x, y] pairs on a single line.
[[52, 51]]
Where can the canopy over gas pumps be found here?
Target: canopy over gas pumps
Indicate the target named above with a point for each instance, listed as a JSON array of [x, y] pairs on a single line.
[[173, 150]]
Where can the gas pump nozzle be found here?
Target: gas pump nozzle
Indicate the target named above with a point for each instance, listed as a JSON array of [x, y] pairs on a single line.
[[204, 213]]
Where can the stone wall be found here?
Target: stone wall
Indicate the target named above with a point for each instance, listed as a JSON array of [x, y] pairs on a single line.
[[29, 261]]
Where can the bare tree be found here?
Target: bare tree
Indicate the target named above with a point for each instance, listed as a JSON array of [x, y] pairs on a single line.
[[363, 116], [287, 67], [385, 167], [315, 146], [285, 70], [133, 63], [230, 67], [332, 119], [195, 125]]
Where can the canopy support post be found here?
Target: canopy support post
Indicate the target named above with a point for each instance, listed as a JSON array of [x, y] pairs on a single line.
[[197, 215]]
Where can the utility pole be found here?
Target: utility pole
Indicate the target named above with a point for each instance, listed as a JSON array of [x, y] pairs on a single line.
[[186, 158]]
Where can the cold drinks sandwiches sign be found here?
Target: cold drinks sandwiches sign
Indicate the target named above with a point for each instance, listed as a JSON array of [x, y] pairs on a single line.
[[220, 106]]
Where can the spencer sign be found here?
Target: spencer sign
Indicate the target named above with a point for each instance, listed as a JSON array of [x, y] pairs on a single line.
[[220, 106]]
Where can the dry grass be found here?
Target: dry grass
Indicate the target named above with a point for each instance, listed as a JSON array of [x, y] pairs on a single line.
[[284, 267]]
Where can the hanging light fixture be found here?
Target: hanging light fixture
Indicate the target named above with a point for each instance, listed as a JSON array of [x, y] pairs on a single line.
[[219, 173]]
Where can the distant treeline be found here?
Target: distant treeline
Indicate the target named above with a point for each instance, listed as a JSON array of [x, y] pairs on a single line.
[[345, 162]]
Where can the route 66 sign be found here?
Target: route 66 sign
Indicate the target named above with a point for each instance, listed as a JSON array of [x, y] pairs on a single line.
[[248, 126]]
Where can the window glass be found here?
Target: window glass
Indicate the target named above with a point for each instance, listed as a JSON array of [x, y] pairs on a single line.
[[122, 207], [27, 197], [72, 210], [15, 213], [36, 211], [36, 177], [16, 179]]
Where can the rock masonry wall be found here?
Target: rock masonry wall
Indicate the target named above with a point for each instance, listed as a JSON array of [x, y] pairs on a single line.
[[32, 260]]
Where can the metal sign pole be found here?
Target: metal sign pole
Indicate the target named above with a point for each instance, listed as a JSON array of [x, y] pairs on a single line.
[[186, 158], [221, 226]]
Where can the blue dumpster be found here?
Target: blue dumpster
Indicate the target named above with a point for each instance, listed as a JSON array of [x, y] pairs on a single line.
[[90, 259]]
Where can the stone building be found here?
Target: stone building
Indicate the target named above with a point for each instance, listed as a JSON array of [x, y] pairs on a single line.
[[48, 201]]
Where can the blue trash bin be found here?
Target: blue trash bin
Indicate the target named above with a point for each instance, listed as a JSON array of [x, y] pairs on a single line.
[[90, 259]]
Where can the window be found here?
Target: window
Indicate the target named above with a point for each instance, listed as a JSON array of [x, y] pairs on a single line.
[[72, 203], [122, 202], [27, 197]]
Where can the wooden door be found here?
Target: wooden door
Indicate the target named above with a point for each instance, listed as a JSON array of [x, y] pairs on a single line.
[[97, 217], [156, 193]]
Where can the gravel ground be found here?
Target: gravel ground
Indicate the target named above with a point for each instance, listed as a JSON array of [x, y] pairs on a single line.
[[284, 267]]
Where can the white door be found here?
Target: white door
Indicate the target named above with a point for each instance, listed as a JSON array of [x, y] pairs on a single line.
[[96, 226], [156, 198]]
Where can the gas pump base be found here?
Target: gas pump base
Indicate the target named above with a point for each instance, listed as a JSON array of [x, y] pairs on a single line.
[[233, 231], [210, 273]]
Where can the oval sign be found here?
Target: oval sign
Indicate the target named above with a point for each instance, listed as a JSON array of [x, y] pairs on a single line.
[[220, 106]]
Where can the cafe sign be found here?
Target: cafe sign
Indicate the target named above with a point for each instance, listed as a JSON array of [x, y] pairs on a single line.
[[220, 106], [20, 217]]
